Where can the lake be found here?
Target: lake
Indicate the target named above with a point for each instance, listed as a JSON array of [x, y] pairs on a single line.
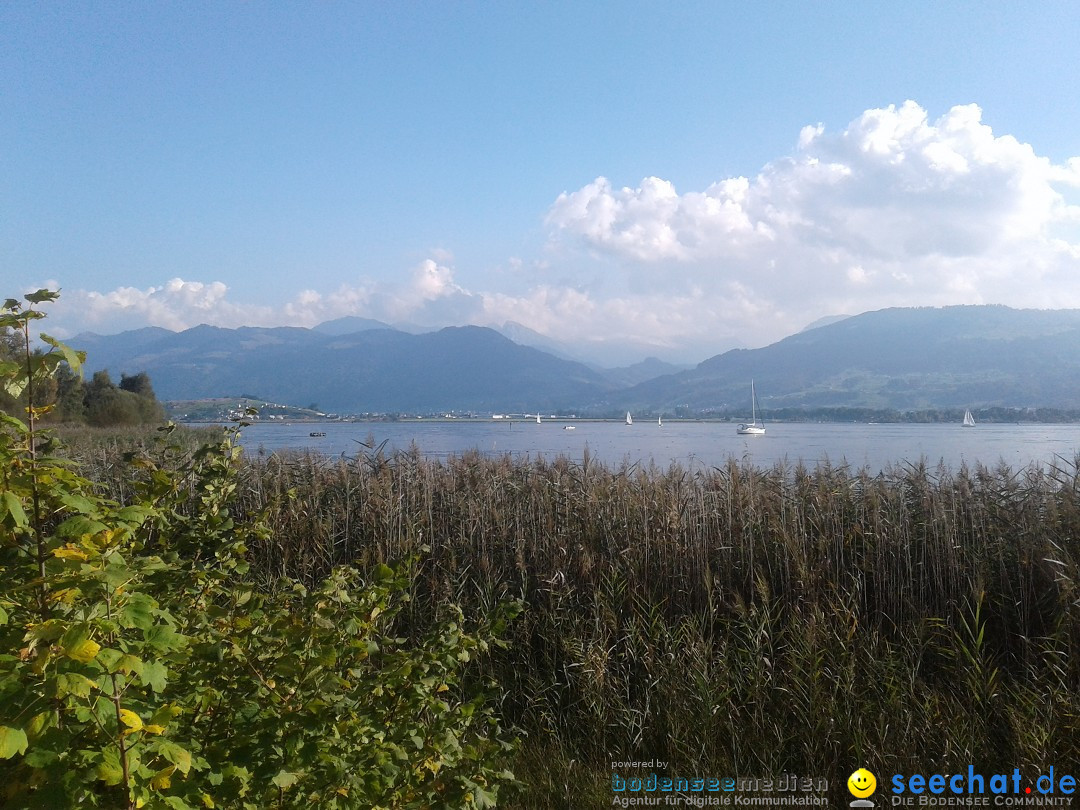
[[692, 444]]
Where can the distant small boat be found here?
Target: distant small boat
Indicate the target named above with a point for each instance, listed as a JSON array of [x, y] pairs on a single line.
[[969, 420], [538, 419], [569, 427], [629, 418], [754, 427], [317, 433], [660, 421]]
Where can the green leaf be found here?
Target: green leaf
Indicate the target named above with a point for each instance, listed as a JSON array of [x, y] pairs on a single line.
[[72, 683], [42, 296], [117, 573], [14, 386], [383, 572], [164, 637], [10, 505], [41, 758], [109, 770], [482, 798], [129, 663], [78, 503], [75, 635], [134, 514], [17, 424], [38, 723], [154, 674], [48, 630], [73, 358], [285, 779], [138, 612], [12, 741], [77, 644], [180, 757], [165, 714], [110, 658], [78, 525]]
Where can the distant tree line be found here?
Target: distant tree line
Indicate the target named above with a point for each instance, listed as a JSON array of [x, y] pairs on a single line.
[[97, 401]]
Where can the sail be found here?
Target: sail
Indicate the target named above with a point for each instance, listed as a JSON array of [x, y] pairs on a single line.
[[754, 427], [629, 418], [969, 420]]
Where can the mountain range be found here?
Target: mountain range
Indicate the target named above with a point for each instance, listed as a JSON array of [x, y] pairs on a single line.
[[902, 359]]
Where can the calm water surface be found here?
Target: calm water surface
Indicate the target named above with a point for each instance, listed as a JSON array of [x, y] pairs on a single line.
[[691, 444]]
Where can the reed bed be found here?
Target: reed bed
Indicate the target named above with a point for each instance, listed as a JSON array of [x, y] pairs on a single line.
[[730, 621]]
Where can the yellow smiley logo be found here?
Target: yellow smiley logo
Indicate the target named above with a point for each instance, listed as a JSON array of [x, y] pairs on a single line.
[[861, 783]]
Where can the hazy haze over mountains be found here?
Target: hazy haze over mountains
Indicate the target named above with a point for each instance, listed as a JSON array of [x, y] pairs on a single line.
[[904, 359]]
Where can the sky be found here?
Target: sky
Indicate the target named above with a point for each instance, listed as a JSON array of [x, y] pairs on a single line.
[[626, 178]]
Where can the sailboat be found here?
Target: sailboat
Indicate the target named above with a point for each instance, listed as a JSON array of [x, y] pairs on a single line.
[[538, 419], [660, 421], [754, 427], [629, 418], [969, 420]]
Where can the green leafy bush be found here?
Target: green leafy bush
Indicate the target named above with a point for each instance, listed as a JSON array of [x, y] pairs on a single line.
[[142, 665]]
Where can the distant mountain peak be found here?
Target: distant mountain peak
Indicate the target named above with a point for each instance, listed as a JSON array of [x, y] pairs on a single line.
[[349, 325], [825, 321]]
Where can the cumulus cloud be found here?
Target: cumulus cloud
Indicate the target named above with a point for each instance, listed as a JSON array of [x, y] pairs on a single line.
[[895, 209], [429, 296], [176, 304]]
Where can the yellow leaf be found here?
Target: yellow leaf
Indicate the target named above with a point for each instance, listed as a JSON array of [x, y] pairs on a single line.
[[442, 688], [153, 728], [207, 801], [131, 720], [69, 552], [37, 725], [85, 651], [163, 778], [65, 596]]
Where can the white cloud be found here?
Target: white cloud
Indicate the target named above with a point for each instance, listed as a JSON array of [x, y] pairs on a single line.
[[176, 304], [430, 296], [892, 210]]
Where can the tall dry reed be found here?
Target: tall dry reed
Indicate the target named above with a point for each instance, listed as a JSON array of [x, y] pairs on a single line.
[[730, 621]]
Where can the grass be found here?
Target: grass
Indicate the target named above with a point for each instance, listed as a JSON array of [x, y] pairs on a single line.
[[732, 622]]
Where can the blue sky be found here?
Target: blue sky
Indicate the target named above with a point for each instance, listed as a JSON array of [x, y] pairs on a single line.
[[670, 179]]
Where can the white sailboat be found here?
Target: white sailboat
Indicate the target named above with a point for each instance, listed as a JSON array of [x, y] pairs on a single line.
[[969, 420], [629, 418], [538, 419], [754, 427], [660, 421]]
